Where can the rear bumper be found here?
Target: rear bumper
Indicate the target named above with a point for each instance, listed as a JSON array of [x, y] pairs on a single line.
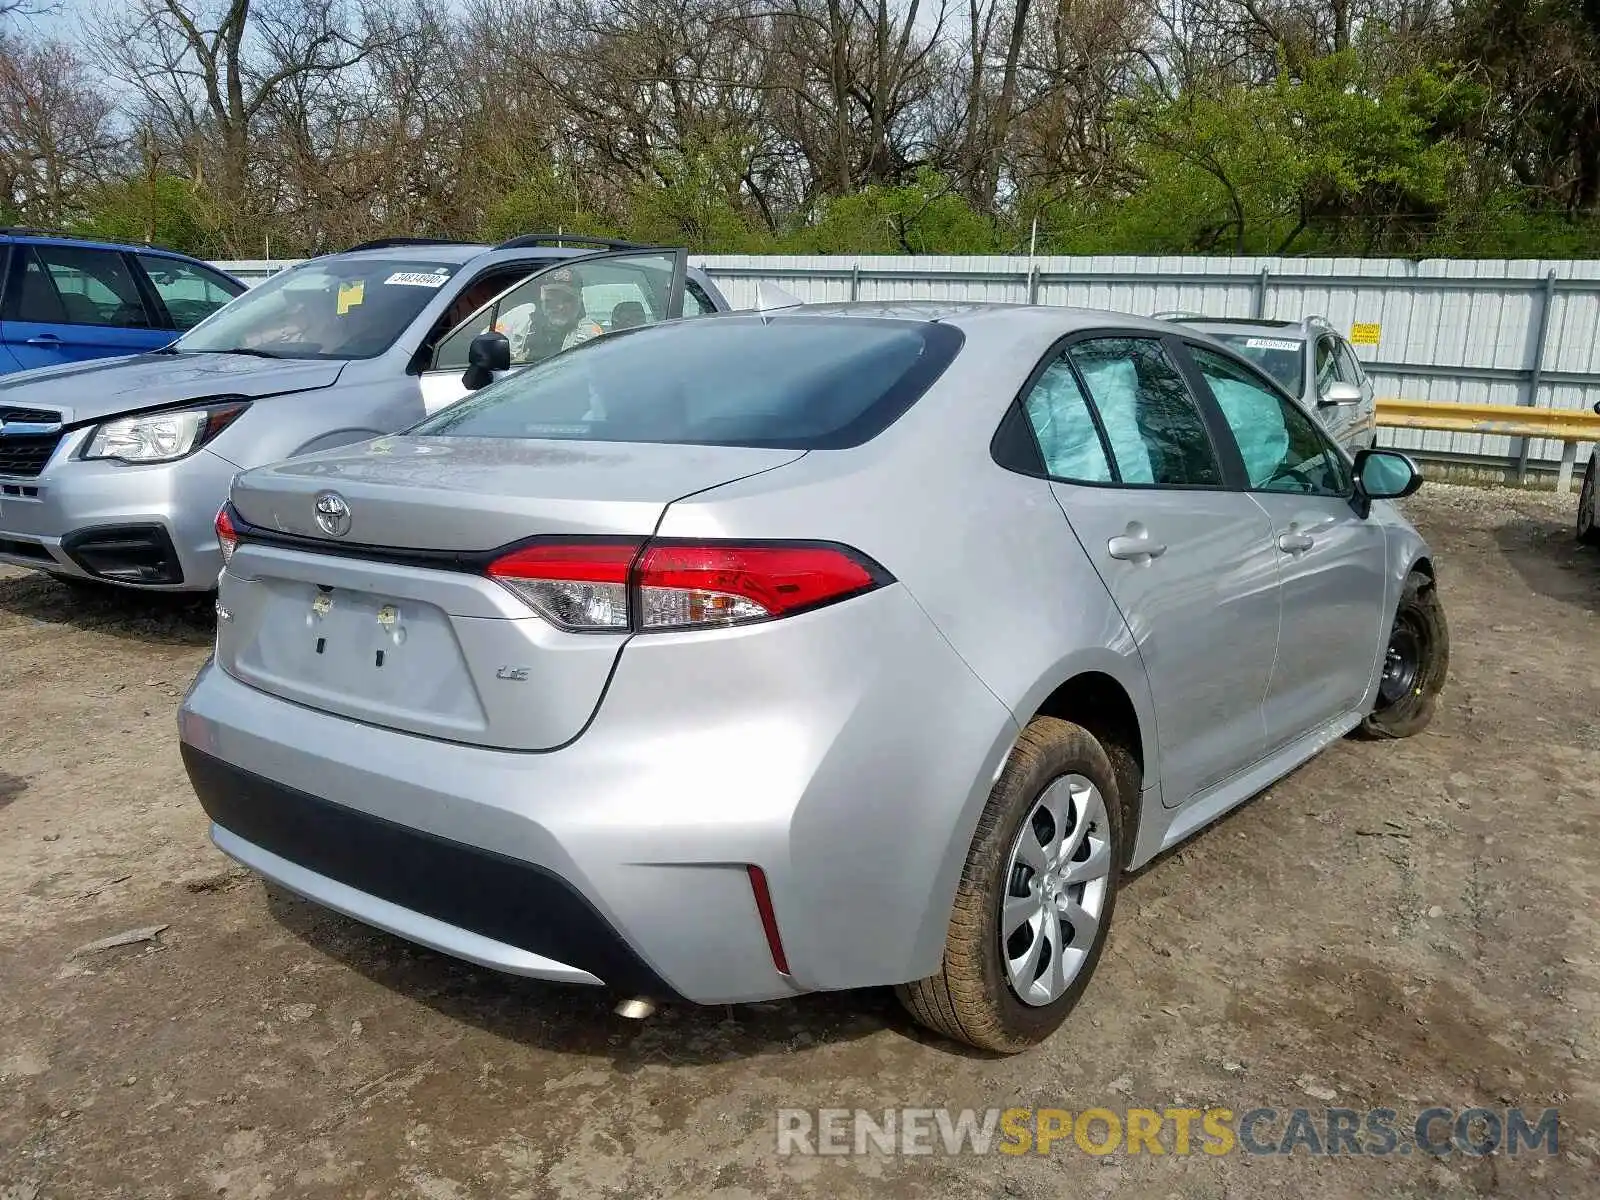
[[142, 526], [470, 902], [845, 752]]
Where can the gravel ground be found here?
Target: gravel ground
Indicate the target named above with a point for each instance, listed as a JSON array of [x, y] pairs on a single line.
[[1395, 925]]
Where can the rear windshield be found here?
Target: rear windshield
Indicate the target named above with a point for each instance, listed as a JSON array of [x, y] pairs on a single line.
[[1283, 359], [801, 383]]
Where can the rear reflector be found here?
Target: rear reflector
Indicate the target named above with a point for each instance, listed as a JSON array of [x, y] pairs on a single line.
[[769, 919], [226, 537], [611, 586]]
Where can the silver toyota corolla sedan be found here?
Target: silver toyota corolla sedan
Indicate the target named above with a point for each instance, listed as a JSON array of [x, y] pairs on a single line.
[[836, 647]]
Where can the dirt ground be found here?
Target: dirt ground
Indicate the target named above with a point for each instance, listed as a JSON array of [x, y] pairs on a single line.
[[1396, 925]]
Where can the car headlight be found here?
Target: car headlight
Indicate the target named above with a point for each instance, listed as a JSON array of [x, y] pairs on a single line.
[[163, 436]]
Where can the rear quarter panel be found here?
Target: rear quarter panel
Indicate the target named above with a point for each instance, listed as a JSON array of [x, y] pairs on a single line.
[[988, 556]]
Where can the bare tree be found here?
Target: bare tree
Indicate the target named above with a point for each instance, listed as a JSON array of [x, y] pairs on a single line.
[[208, 71], [56, 138]]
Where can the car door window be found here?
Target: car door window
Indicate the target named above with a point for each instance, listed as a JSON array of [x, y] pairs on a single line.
[[1151, 422], [31, 294], [1327, 364], [1281, 446], [1064, 426], [557, 309], [92, 287], [1349, 368], [695, 301], [190, 292]]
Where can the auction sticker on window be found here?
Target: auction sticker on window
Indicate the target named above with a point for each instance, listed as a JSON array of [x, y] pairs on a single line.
[[427, 279], [1270, 344], [350, 295]]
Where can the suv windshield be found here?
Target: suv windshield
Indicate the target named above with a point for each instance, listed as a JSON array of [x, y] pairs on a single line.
[[1283, 359], [339, 308], [802, 383]]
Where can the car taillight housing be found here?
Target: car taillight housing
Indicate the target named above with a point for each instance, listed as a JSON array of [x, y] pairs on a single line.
[[227, 538], [601, 585]]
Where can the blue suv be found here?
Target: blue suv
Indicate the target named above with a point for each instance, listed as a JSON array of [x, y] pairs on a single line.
[[65, 299]]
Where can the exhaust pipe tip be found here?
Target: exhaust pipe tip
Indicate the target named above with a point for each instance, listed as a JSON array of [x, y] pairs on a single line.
[[636, 1009]]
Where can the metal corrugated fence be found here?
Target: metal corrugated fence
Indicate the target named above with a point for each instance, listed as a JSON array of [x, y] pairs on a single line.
[[1490, 331]]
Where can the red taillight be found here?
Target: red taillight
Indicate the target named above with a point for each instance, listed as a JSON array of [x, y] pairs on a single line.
[[683, 586], [226, 537], [576, 585], [769, 919], [609, 585]]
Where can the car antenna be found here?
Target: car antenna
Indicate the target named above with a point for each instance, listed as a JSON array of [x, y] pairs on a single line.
[[770, 297]]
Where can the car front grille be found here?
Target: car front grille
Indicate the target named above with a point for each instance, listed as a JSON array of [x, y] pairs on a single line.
[[25, 454]]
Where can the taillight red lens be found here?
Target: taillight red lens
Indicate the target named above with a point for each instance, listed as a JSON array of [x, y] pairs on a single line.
[[581, 586], [683, 586], [591, 586], [226, 537]]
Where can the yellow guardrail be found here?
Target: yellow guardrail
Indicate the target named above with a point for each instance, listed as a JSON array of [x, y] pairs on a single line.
[[1567, 425]]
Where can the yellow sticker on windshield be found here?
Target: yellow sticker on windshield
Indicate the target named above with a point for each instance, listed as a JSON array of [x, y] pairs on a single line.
[[351, 294], [1365, 335]]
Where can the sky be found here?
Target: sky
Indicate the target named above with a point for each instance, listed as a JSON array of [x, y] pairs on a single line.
[[64, 22]]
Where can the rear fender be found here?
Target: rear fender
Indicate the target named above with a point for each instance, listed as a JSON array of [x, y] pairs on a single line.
[[1128, 671]]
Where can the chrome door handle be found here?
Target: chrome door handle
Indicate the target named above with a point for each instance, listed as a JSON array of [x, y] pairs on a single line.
[[44, 339], [1134, 549], [1295, 543]]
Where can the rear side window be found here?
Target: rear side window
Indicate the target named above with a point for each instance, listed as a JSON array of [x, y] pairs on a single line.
[[1068, 440], [71, 286], [1156, 433], [802, 383]]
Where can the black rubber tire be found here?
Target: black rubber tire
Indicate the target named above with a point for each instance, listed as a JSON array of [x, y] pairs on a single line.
[[970, 1000], [1588, 534], [1411, 714]]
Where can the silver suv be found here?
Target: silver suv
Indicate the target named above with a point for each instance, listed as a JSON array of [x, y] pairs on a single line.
[[825, 648], [1311, 361], [114, 470]]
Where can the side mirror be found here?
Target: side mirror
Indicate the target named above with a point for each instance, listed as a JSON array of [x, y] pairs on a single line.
[[488, 353], [1339, 394], [1386, 474]]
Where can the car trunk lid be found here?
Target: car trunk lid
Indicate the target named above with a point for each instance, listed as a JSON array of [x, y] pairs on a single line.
[[394, 621]]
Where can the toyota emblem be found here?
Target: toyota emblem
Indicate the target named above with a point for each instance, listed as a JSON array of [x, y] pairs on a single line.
[[333, 514]]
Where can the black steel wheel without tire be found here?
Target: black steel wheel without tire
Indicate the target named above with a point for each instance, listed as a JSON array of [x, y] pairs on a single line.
[[1415, 663], [1588, 528]]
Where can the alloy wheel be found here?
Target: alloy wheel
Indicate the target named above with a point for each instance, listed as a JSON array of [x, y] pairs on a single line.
[[1057, 880]]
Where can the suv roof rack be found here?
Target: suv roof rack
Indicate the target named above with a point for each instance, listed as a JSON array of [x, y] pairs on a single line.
[[388, 242], [572, 239]]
